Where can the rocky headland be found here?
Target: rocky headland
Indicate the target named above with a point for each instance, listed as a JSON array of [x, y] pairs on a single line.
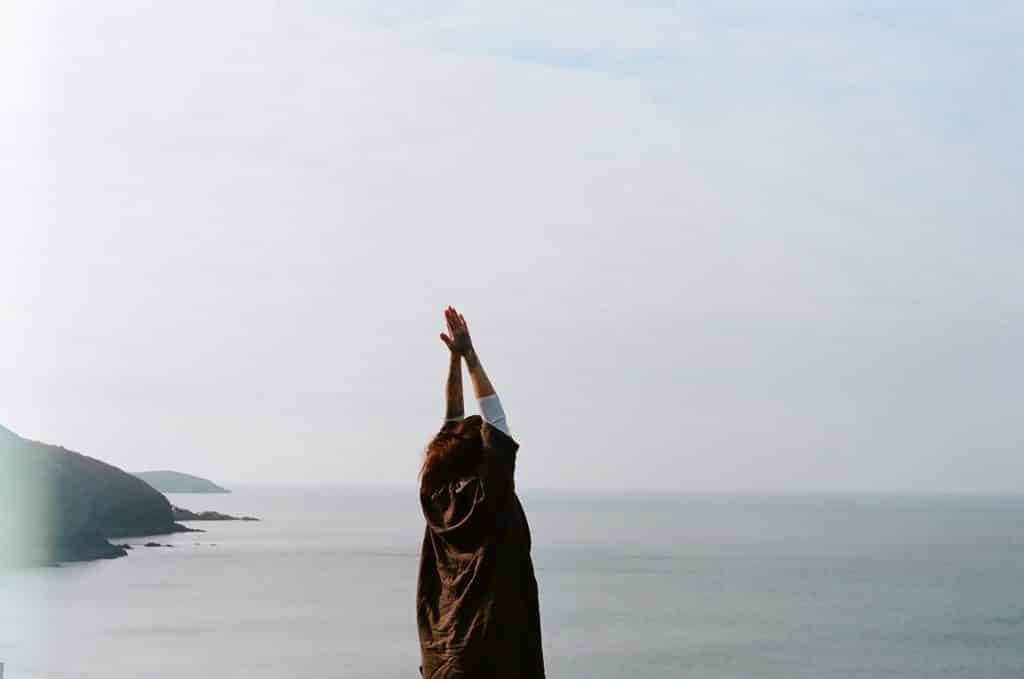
[[58, 505]]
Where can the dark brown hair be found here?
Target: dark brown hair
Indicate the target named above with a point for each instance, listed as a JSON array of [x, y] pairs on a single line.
[[453, 453]]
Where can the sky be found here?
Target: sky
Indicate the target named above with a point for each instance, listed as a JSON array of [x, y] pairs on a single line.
[[705, 247]]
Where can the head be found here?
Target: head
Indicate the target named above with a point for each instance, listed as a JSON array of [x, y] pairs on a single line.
[[453, 453]]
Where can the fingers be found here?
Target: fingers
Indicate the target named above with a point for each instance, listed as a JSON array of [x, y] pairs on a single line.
[[448, 341], [455, 320]]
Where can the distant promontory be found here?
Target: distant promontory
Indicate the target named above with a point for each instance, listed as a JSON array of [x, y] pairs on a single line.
[[175, 482]]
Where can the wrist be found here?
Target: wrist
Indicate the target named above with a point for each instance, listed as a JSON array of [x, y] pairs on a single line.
[[472, 359]]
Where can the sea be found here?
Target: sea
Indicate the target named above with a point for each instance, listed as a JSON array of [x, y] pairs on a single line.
[[632, 584]]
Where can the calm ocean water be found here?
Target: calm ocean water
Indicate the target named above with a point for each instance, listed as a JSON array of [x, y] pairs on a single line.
[[631, 586]]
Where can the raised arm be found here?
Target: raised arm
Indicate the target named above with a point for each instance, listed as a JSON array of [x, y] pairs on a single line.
[[454, 406], [482, 386], [454, 409], [490, 405], [459, 342]]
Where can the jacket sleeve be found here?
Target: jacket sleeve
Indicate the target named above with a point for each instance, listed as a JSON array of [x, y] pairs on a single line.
[[498, 465]]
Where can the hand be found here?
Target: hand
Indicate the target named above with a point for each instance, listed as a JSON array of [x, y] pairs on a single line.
[[457, 339]]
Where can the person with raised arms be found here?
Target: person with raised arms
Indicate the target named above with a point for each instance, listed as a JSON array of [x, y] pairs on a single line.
[[477, 607]]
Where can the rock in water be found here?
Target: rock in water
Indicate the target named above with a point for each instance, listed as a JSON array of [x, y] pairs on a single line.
[[182, 514]]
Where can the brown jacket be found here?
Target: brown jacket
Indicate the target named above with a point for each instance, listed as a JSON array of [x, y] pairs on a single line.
[[476, 599]]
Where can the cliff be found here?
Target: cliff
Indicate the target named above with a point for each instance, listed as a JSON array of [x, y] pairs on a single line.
[[176, 482], [57, 505]]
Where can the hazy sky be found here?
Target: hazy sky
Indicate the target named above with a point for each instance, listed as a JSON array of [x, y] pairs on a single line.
[[701, 246]]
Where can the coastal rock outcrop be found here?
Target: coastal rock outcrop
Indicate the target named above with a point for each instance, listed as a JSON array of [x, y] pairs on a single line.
[[58, 505], [182, 514]]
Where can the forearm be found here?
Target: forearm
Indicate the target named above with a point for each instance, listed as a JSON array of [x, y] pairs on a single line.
[[481, 384], [454, 408], [490, 404]]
